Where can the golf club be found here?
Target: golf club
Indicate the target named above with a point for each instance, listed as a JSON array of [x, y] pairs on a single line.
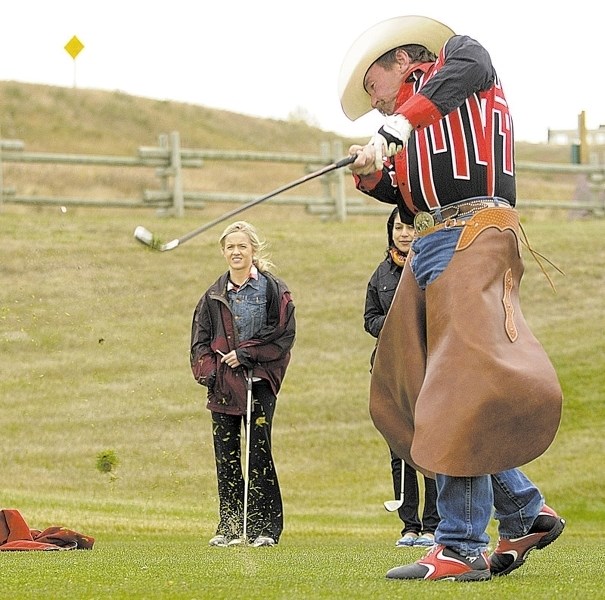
[[145, 236], [247, 457], [393, 505]]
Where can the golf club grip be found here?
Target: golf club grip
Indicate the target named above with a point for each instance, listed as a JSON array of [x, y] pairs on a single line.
[[288, 186], [343, 162]]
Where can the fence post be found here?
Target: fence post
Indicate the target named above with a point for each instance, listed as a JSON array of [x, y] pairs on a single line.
[[324, 152], [340, 199], [164, 144], [177, 182], [1, 170]]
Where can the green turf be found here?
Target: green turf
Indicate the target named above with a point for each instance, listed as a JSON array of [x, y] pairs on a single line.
[[94, 342]]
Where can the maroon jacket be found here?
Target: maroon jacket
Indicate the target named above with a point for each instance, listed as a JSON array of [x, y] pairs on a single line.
[[268, 354]]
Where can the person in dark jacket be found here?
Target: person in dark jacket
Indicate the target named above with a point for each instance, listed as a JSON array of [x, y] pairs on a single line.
[[379, 295], [244, 327]]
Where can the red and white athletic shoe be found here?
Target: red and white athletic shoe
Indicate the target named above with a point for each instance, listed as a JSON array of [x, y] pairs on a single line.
[[511, 554], [442, 562]]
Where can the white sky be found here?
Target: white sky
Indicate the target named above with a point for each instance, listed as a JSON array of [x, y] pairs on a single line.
[[268, 58]]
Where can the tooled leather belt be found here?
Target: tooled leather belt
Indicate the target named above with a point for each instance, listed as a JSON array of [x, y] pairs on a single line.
[[452, 215]]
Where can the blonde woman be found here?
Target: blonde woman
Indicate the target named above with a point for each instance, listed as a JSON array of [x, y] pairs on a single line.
[[244, 326]]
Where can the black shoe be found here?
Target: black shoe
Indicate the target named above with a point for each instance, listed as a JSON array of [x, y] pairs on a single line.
[[511, 554]]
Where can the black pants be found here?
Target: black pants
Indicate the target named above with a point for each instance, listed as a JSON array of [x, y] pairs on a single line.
[[265, 508], [408, 512]]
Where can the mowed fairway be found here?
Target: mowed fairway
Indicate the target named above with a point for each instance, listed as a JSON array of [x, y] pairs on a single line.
[[94, 356]]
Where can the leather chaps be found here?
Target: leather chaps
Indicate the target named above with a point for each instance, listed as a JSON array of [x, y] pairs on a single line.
[[460, 385]]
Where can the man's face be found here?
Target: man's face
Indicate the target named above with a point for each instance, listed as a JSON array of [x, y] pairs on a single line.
[[382, 85]]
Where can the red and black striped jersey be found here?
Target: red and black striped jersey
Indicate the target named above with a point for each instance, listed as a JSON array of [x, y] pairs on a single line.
[[462, 145]]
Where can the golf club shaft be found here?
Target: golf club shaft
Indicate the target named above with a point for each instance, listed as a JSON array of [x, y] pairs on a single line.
[[402, 487], [236, 211], [247, 456], [145, 236], [393, 505]]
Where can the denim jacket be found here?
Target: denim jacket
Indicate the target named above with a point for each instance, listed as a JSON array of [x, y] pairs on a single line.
[[249, 307]]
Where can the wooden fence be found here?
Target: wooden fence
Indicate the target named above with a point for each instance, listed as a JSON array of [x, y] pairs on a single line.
[[169, 160]]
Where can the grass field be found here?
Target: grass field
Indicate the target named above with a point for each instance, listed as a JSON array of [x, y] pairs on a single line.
[[94, 343]]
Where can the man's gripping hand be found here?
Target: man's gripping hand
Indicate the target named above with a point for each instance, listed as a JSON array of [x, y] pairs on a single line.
[[391, 138]]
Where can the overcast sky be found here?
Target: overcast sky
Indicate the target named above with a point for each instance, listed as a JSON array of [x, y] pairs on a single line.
[[269, 58]]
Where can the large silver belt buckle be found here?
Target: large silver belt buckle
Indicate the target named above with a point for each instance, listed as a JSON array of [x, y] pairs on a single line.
[[422, 221]]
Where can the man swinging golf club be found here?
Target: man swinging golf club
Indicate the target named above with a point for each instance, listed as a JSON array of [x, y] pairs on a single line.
[[460, 386], [242, 333]]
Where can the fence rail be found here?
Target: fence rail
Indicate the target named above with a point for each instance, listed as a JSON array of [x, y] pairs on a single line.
[[169, 160]]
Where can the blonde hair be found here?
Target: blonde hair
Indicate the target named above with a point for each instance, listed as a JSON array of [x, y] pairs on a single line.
[[259, 258]]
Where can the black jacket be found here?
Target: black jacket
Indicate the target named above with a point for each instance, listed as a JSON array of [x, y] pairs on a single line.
[[379, 295]]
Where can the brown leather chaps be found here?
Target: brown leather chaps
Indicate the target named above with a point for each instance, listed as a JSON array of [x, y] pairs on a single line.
[[460, 385]]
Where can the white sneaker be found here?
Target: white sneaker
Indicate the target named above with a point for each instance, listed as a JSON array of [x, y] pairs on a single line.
[[263, 540], [409, 539], [219, 541], [426, 539]]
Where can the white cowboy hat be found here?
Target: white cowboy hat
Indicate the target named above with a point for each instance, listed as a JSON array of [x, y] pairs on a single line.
[[375, 42]]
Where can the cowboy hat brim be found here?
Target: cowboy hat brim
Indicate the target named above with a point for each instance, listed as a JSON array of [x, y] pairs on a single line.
[[375, 42]]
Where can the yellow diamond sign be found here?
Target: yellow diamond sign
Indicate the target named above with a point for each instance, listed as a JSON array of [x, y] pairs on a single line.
[[74, 47]]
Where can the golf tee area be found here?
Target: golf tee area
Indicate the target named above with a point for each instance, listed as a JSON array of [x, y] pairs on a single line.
[[106, 432]]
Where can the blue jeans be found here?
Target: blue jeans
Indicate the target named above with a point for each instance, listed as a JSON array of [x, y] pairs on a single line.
[[465, 507], [465, 504], [432, 254]]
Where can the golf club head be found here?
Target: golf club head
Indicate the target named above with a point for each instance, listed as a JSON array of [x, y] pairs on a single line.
[[169, 245], [393, 505], [146, 237]]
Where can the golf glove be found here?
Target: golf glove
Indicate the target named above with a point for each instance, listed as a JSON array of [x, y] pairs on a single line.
[[391, 138]]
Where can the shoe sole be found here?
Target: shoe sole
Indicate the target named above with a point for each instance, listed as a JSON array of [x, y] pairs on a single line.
[[550, 537], [404, 545], [470, 576], [218, 543], [262, 545], [476, 575]]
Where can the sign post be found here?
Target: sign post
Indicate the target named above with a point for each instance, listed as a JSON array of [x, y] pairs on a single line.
[[73, 48]]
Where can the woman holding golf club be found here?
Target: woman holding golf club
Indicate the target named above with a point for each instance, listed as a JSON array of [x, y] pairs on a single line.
[[242, 333], [379, 295]]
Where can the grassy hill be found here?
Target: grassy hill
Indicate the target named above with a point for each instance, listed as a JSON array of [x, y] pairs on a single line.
[[60, 119], [70, 120], [94, 343]]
